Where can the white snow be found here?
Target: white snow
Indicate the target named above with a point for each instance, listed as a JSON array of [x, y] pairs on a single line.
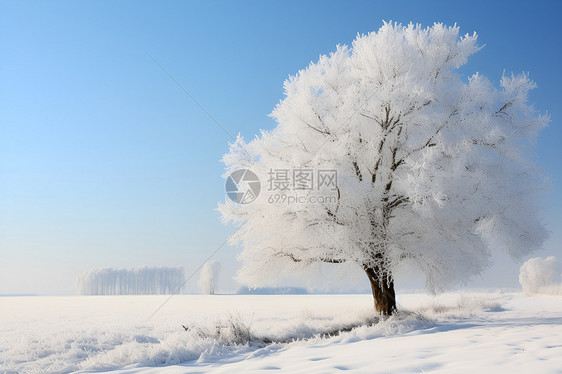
[[500, 332]]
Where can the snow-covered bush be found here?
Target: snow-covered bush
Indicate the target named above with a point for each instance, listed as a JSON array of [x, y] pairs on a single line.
[[541, 276]]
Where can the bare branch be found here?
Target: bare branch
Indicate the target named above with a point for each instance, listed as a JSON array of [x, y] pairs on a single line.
[[311, 260], [357, 171]]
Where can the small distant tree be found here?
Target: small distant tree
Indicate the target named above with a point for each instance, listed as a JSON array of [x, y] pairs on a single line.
[[208, 277], [434, 169]]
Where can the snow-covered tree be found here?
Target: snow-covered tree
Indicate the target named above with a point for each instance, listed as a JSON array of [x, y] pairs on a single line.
[[434, 169], [208, 277]]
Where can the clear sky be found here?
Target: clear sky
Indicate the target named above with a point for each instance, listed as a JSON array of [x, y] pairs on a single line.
[[105, 162]]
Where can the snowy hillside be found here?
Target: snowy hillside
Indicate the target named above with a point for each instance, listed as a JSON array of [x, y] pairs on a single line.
[[232, 333]]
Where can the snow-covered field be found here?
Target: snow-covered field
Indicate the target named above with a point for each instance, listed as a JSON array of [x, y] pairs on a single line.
[[494, 332]]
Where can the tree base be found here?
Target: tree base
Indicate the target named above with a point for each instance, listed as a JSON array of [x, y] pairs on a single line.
[[383, 293]]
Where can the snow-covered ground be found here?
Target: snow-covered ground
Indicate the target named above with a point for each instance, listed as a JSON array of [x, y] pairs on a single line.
[[494, 332]]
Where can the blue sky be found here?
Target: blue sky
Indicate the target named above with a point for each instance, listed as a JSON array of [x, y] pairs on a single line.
[[104, 161]]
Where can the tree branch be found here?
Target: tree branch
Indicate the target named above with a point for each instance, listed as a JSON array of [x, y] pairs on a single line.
[[310, 260]]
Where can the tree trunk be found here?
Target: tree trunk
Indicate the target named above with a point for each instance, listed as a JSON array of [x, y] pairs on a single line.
[[383, 292]]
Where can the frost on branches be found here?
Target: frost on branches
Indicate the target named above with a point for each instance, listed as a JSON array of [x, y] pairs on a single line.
[[433, 169]]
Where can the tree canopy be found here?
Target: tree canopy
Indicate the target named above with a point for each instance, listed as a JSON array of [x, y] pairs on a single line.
[[433, 168]]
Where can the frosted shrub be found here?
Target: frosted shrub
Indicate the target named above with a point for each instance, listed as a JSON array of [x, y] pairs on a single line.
[[541, 276]]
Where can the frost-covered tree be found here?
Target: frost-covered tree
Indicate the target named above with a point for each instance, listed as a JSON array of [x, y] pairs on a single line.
[[143, 280], [208, 278], [434, 169]]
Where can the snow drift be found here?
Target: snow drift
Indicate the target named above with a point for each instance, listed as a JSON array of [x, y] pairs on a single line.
[[541, 276], [138, 281]]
